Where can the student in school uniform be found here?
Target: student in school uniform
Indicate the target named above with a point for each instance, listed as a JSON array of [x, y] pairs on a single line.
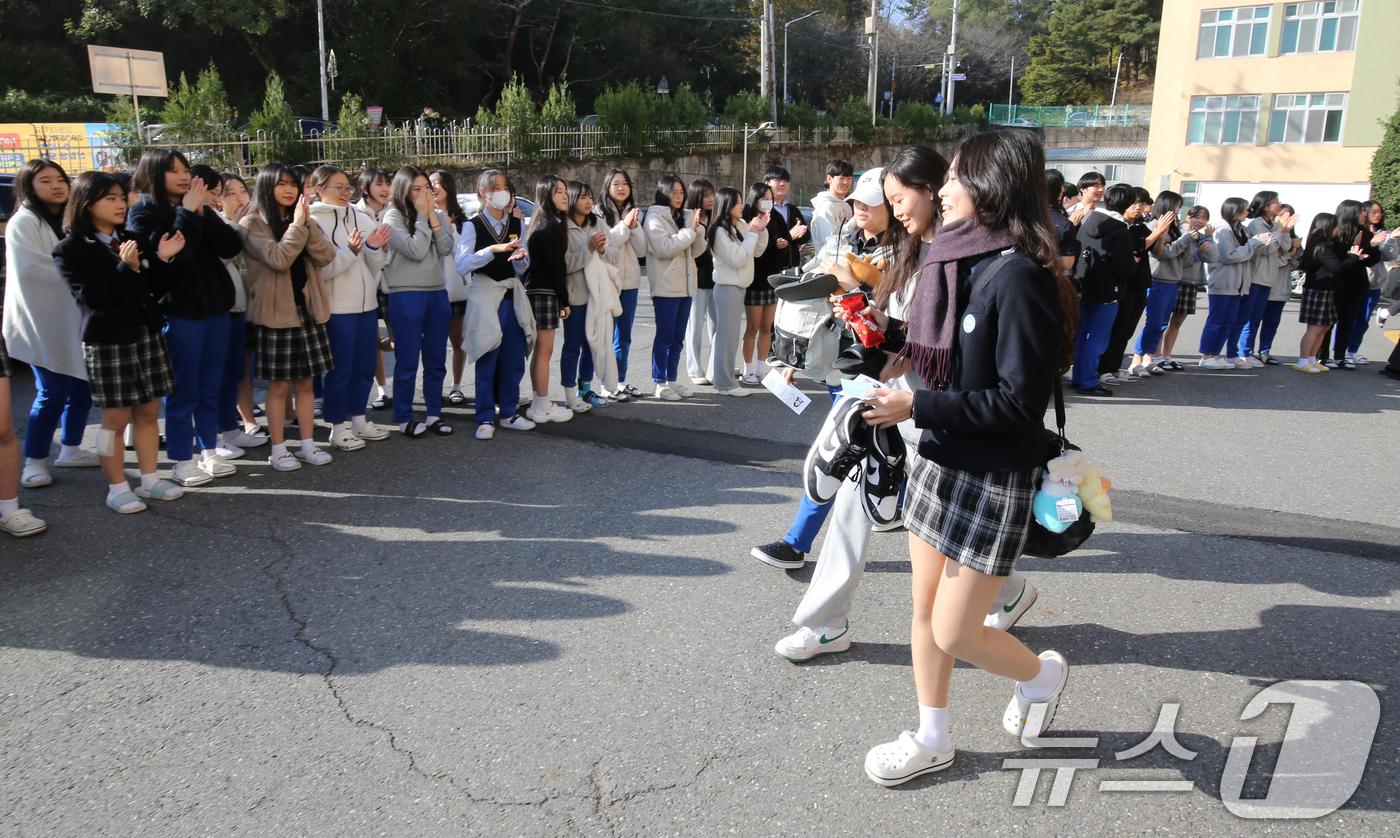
[[198, 297], [1228, 281], [627, 251], [1266, 215], [418, 308], [14, 519], [547, 286], [700, 331], [673, 241], [374, 187], [760, 301], [732, 242], [237, 413], [1373, 218], [456, 284], [41, 323], [114, 275], [1351, 282], [500, 322], [352, 285], [1167, 260], [1285, 262], [1193, 277], [584, 236], [288, 303]]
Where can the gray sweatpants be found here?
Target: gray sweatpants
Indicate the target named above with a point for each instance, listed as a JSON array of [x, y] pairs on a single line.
[[700, 333], [729, 330]]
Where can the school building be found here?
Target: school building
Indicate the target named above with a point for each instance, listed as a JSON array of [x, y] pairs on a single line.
[[1290, 97]]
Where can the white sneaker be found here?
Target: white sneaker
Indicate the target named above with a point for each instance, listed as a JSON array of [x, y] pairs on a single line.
[[902, 760], [190, 474], [551, 413], [284, 461], [1254, 363], [82, 459], [1217, 364], [702, 381], [1003, 617], [249, 440], [347, 440], [1069, 376], [737, 392], [682, 390], [518, 423], [485, 430], [1027, 720], [1240, 362], [216, 467], [372, 432], [317, 457], [805, 644], [576, 404], [664, 392]]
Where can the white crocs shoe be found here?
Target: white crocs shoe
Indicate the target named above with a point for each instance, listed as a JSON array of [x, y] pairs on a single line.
[[1027, 720], [902, 760], [372, 432], [21, 523], [347, 440]]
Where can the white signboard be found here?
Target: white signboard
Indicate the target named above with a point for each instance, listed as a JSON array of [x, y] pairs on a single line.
[[129, 72]]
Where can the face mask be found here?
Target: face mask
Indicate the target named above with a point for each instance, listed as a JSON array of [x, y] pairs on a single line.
[[765, 206], [498, 200]]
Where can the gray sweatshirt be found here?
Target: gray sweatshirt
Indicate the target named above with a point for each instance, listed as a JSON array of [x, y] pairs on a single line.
[[1170, 264], [415, 261]]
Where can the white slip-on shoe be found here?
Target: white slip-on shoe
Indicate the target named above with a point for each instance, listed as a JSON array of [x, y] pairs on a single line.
[[1027, 720], [190, 474], [35, 475], [552, 413], [347, 440], [284, 461], [216, 467], [1254, 363], [664, 392], [250, 440], [682, 390], [372, 432], [516, 422], [902, 760], [21, 523], [737, 392], [229, 451], [82, 459], [805, 643], [485, 430], [317, 457], [702, 381]]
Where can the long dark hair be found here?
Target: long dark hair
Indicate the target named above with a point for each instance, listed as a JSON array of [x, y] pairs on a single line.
[[1319, 235], [725, 200], [576, 190], [695, 196], [1261, 202], [24, 192], [1055, 188], [88, 189], [1366, 207], [265, 203], [664, 187], [1349, 225], [149, 179], [1230, 209], [400, 195], [546, 217], [1169, 201], [611, 211], [1002, 173], [455, 213], [916, 167]]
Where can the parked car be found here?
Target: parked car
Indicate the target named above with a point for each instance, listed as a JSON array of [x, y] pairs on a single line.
[[471, 204], [1079, 119], [1022, 122]]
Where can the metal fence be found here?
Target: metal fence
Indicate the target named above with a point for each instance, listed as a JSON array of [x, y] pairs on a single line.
[[412, 142], [1071, 116]]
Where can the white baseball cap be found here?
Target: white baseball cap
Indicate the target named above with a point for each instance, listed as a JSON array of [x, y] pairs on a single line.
[[870, 189]]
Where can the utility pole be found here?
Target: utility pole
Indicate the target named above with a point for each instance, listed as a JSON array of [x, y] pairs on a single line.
[[321, 38], [765, 89], [773, 58], [952, 61], [1116, 73], [894, 67], [1011, 87], [872, 84]]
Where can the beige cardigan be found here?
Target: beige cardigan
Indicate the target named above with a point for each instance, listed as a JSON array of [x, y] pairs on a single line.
[[270, 299]]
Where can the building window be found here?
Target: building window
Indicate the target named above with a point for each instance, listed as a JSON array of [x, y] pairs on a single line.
[[1307, 118], [1112, 172], [1189, 190], [1223, 120], [1235, 33], [1059, 167], [1320, 27]]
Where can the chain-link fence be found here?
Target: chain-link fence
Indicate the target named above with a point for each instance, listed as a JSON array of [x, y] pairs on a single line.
[[1071, 116]]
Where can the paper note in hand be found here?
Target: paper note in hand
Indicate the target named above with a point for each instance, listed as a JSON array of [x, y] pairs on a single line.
[[858, 386], [788, 394]]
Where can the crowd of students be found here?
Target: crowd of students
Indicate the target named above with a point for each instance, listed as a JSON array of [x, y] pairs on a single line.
[[1138, 263]]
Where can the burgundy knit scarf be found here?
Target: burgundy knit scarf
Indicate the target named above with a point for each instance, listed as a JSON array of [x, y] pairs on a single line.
[[933, 317]]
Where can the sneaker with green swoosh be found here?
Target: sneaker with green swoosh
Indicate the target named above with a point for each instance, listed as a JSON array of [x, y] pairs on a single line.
[[805, 643], [1004, 616]]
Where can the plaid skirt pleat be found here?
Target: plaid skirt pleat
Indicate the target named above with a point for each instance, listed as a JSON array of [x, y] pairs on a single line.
[[382, 305], [545, 304], [1186, 298], [297, 352], [760, 293], [129, 374], [978, 519], [1319, 307]]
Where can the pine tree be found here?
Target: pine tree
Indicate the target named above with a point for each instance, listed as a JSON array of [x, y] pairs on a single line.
[[1385, 169]]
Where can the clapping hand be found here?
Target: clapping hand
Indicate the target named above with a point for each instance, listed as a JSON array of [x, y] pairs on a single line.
[[302, 215], [130, 256], [169, 245], [758, 222], [380, 236], [1379, 237], [357, 241], [632, 215], [194, 199], [798, 231]]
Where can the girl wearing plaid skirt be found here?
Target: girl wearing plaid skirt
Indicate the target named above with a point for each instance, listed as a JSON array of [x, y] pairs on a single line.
[[989, 364], [547, 286], [1198, 229], [288, 304], [115, 276], [13, 520]]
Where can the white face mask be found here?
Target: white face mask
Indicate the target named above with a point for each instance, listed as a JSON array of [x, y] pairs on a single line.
[[498, 200], [765, 206]]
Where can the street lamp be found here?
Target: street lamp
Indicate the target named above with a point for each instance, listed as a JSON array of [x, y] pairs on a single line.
[[785, 53], [763, 126]]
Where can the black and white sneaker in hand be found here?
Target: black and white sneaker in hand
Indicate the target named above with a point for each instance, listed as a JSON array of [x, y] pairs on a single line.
[[841, 444], [881, 475]]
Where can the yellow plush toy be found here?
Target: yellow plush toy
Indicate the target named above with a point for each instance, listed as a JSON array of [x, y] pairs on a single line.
[[1093, 493]]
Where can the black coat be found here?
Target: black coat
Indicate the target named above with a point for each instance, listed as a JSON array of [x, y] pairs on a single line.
[[199, 284], [1105, 265], [115, 301]]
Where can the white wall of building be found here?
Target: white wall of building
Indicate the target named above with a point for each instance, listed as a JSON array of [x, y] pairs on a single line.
[[1308, 198]]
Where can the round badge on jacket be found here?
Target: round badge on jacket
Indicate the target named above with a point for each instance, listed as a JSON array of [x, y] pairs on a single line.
[[969, 323]]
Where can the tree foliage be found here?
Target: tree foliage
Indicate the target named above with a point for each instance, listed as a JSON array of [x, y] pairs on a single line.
[[275, 121], [1385, 168], [197, 112], [1075, 60]]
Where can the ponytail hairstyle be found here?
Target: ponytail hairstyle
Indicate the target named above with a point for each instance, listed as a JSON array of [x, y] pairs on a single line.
[[545, 216], [1229, 211], [455, 213], [400, 195], [88, 189], [24, 192], [917, 167], [1261, 202], [664, 187], [611, 211], [149, 179], [1349, 225], [1003, 173], [1169, 201], [1319, 235], [265, 196], [726, 198], [577, 190]]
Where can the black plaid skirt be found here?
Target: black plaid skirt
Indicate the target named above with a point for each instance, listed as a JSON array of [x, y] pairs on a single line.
[[1319, 307], [298, 352], [546, 307], [1186, 298], [383, 300], [459, 308], [760, 293], [977, 519], [129, 374], [4, 359]]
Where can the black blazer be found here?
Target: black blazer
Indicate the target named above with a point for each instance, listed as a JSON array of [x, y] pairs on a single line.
[[1105, 265], [199, 284], [990, 416], [115, 300]]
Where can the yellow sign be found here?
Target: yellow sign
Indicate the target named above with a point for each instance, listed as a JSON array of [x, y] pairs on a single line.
[[76, 146]]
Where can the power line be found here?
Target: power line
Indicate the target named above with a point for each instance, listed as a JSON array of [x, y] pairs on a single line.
[[658, 14], [822, 41]]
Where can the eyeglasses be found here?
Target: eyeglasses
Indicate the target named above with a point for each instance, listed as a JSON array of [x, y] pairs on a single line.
[[336, 188]]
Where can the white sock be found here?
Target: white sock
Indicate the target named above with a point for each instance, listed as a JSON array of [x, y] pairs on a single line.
[[184, 463], [308, 446], [403, 427], [279, 448], [357, 423], [114, 489], [380, 388], [68, 452], [933, 729], [337, 428], [762, 368], [210, 453], [430, 420], [1043, 685], [36, 461], [9, 507], [750, 367], [148, 481]]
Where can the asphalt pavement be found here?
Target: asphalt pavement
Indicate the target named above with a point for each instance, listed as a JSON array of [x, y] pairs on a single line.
[[561, 632]]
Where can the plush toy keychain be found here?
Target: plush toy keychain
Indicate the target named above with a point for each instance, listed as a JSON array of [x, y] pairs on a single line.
[[1071, 485]]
